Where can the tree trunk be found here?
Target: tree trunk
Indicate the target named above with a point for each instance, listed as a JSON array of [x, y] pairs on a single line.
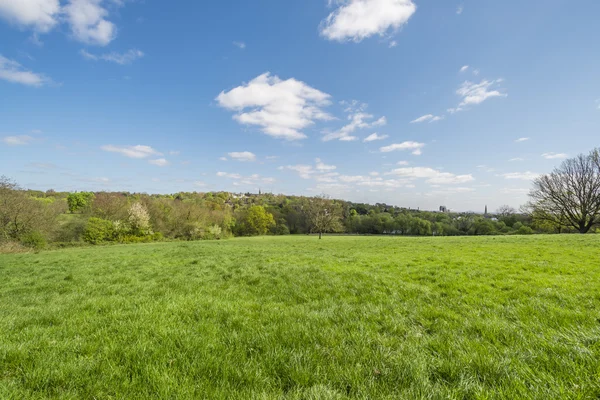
[[320, 233]]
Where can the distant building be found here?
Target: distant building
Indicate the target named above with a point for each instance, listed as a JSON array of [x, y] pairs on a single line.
[[443, 209], [485, 211]]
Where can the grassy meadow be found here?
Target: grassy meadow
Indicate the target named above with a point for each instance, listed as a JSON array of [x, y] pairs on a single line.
[[297, 318]]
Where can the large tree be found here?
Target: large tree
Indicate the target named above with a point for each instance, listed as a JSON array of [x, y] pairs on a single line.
[[323, 215], [570, 195]]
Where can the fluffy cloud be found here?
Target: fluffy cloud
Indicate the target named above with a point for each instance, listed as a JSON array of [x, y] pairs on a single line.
[[159, 162], [243, 156], [521, 140], [525, 176], [359, 19], [322, 167], [253, 179], [358, 120], [119, 58], [428, 117], [555, 156], [308, 171], [414, 146], [476, 93], [240, 45], [87, 18], [88, 22], [40, 15], [12, 71], [281, 108], [139, 151], [374, 136], [464, 68], [17, 140], [432, 176]]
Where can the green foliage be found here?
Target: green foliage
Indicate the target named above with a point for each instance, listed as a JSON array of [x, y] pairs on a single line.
[[79, 200], [99, 231], [293, 318], [524, 230], [34, 240], [255, 221]]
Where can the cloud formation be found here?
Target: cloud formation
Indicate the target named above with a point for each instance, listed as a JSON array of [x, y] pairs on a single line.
[[374, 136], [243, 156], [14, 72], [414, 146], [282, 109], [119, 58], [356, 20], [432, 176], [139, 151]]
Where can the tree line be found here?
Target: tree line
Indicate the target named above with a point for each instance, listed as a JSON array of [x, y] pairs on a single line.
[[564, 201]]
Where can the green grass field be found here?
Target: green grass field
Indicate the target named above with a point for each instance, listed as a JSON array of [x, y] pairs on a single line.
[[298, 318]]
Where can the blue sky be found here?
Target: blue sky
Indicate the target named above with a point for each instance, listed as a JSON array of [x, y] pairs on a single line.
[[413, 103]]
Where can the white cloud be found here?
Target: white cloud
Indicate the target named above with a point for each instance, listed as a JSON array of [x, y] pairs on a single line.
[[415, 146], [281, 108], [305, 171], [374, 136], [523, 139], [253, 179], [476, 93], [139, 151], [240, 45], [13, 72], [555, 156], [17, 140], [88, 22], [393, 43], [432, 176], [223, 158], [159, 162], [87, 18], [229, 175], [119, 58], [428, 117], [403, 163], [359, 19], [243, 156], [464, 68], [514, 191], [322, 167], [174, 152], [358, 120], [40, 15], [460, 9], [454, 110], [516, 159], [525, 176]]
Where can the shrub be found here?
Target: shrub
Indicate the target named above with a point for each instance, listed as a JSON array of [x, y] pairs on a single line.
[[12, 247], [34, 240], [98, 231], [139, 219], [213, 233], [524, 230]]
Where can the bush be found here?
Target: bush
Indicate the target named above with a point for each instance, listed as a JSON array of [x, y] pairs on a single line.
[[34, 240], [213, 233], [282, 229], [524, 230], [98, 231], [12, 247]]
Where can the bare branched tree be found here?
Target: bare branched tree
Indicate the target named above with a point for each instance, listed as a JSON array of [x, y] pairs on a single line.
[[570, 195]]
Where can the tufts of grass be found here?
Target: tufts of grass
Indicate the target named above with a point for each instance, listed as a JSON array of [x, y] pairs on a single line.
[[298, 318]]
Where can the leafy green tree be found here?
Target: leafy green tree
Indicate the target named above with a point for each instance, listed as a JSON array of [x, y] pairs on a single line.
[[323, 214], [79, 201], [255, 221]]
